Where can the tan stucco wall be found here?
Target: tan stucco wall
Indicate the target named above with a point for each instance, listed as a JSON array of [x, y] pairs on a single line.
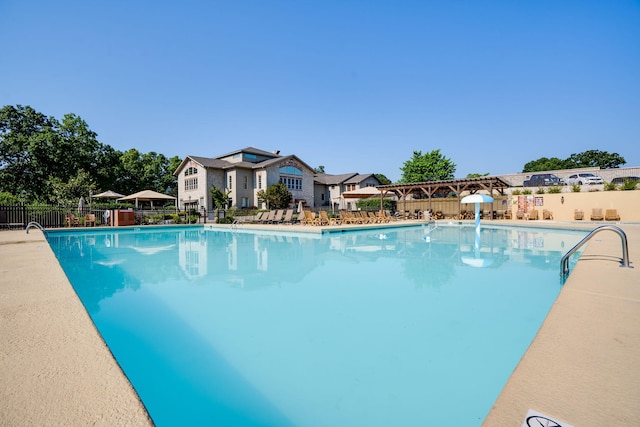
[[627, 204]]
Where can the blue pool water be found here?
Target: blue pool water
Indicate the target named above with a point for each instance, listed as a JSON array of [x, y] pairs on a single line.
[[409, 326]]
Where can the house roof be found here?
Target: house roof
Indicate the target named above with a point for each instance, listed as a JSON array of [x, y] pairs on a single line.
[[250, 150], [327, 179], [360, 177]]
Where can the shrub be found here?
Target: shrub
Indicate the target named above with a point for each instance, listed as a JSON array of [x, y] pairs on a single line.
[[516, 192], [629, 184], [555, 190], [225, 220], [576, 188], [610, 186], [526, 191], [540, 190]]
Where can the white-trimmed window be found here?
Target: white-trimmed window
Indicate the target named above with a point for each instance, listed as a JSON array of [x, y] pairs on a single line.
[[291, 176], [260, 182], [190, 171], [246, 182], [191, 184], [230, 186]]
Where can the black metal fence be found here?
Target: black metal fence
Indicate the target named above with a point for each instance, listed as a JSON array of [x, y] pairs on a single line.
[[17, 216]]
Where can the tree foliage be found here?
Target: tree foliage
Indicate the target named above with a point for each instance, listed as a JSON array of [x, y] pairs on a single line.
[[219, 197], [477, 175], [277, 196], [46, 160], [586, 159], [383, 179], [432, 166], [319, 169]]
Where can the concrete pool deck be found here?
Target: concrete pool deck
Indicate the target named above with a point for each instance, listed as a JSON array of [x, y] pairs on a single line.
[[583, 367]]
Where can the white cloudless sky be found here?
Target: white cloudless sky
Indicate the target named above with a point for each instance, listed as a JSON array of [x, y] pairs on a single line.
[[355, 86]]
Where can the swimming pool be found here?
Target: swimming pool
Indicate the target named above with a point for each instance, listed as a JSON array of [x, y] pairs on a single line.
[[406, 326]]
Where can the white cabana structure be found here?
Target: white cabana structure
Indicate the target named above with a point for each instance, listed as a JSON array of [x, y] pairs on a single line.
[[146, 196]]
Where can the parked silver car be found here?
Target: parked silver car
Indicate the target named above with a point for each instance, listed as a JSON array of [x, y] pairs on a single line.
[[584, 178]]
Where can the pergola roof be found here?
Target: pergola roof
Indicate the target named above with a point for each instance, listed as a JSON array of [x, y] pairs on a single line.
[[457, 186]]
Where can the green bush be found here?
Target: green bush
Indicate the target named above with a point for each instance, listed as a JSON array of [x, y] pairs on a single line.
[[225, 220], [555, 190], [526, 191], [629, 184], [540, 190], [576, 188], [516, 192], [610, 186]]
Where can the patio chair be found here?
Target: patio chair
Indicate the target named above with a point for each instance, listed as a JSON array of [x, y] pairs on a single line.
[[520, 214], [259, 217], [326, 220], [288, 217], [508, 214], [270, 217], [90, 220], [72, 221], [533, 215], [578, 215], [611, 215], [596, 214], [277, 217], [309, 218], [547, 214]]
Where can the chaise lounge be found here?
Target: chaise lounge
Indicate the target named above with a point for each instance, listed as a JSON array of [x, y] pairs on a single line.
[[596, 214]]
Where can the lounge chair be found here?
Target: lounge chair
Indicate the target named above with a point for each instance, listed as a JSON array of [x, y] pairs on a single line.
[[90, 220], [277, 218], [596, 214], [288, 217], [373, 218], [508, 214], [578, 215], [309, 218], [547, 214], [260, 217], [611, 215], [326, 220], [533, 215], [520, 214], [269, 218], [383, 217]]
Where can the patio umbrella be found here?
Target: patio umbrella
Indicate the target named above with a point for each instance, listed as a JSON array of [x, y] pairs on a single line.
[[81, 205], [108, 195]]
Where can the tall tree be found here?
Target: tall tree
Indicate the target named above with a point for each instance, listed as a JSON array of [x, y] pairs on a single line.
[[277, 196], [596, 158], [431, 166], [545, 164]]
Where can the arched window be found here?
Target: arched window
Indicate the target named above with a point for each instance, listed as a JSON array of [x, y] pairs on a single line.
[[291, 176]]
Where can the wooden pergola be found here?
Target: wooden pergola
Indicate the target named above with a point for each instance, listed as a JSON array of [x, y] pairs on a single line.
[[445, 188]]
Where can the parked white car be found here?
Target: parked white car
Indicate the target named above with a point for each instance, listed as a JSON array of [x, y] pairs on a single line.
[[584, 178]]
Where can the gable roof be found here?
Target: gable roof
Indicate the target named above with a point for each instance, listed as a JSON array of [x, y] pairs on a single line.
[[250, 150], [326, 179], [361, 177]]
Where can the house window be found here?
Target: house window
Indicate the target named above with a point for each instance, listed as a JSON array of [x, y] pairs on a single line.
[[259, 182], [350, 187], [291, 177], [191, 184], [230, 186], [246, 182], [245, 202], [322, 197], [190, 171]]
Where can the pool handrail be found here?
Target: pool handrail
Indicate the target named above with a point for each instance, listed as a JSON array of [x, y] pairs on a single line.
[[564, 263]]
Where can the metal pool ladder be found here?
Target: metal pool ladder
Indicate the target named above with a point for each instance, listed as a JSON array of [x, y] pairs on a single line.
[[564, 263], [34, 224]]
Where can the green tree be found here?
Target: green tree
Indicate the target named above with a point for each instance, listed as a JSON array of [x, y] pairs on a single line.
[[319, 169], [432, 166], [219, 197], [277, 196], [383, 179], [545, 164], [596, 158], [477, 175]]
